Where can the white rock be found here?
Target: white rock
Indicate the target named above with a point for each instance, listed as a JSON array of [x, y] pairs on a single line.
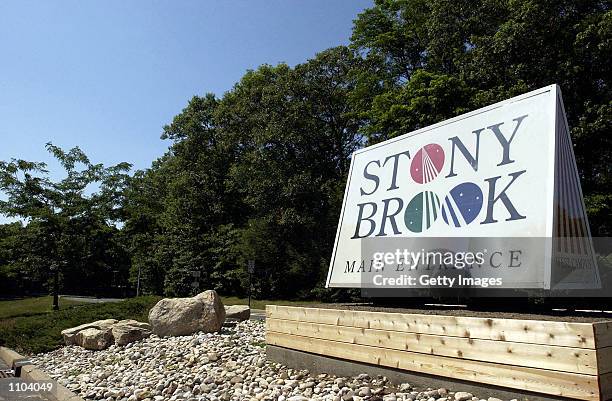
[[238, 312], [462, 396], [128, 331], [69, 335], [94, 338], [183, 316], [364, 391], [298, 398]]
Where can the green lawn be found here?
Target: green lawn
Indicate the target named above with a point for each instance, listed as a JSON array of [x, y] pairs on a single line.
[[33, 332], [31, 326], [31, 306]]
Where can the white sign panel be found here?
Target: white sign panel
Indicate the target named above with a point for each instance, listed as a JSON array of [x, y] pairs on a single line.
[[494, 192]]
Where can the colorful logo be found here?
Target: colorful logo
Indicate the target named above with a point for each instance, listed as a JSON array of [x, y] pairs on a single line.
[[461, 206], [427, 163], [422, 211]]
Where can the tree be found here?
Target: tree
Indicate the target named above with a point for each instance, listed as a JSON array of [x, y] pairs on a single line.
[[74, 231], [258, 174], [143, 208], [180, 212], [14, 275], [294, 131]]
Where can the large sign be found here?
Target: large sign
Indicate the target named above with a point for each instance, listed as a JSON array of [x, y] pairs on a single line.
[[492, 196]]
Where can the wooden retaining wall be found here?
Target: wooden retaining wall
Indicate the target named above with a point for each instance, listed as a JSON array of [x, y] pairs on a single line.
[[564, 359]]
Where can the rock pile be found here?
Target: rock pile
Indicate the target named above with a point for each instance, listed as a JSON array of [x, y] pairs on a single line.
[[169, 317], [224, 366], [101, 334]]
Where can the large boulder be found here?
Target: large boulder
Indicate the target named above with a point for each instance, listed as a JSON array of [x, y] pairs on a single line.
[[213, 311], [94, 339], [184, 316], [70, 334], [238, 312], [128, 331]]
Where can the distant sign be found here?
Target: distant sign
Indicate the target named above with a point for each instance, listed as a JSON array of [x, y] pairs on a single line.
[[500, 182], [251, 266]]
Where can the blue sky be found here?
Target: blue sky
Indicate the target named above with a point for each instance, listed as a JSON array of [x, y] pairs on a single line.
[[106, 75]]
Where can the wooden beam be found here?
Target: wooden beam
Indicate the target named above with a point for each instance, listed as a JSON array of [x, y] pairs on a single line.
[[605, 385], [604, 360], [603, 334], [584, 387], [566, 359], [578, 335]]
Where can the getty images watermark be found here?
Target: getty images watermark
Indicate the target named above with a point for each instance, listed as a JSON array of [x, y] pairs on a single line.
[[407, 260], [480, 266]]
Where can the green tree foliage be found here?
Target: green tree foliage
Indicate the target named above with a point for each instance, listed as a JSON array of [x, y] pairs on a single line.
[[142, 230], [66, 228], [180, 212], [294, 130], [258, 174], [14, 275]]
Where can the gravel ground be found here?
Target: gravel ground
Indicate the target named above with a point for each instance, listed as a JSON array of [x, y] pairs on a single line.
[[225, 366]]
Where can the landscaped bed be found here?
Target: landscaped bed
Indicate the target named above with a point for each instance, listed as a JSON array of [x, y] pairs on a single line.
[[230, 365]]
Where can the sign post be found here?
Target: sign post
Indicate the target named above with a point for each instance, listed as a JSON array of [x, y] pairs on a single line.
[[55, 270], [195, 284], [251, 270]]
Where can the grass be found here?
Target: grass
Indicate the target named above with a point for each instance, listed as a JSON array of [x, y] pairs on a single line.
[[30, 326], [32, 333], [31, 306]]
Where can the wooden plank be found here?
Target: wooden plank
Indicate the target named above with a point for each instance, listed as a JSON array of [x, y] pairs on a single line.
[[566, 359], [604, 360], [603, 334], [579, 335], [573, 385]]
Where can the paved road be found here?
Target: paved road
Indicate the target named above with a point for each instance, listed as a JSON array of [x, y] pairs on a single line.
[[258, 314], [91, 300]]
